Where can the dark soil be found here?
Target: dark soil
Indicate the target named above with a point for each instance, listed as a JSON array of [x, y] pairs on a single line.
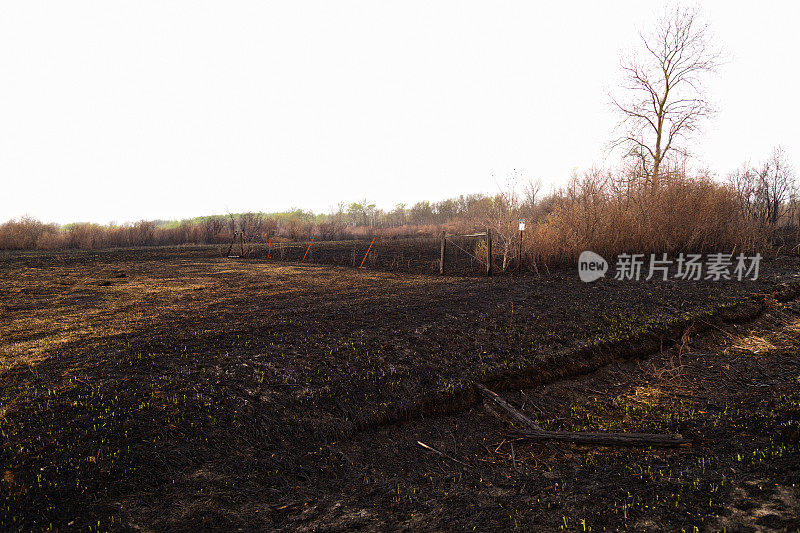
[[735, 392], [173, 388]]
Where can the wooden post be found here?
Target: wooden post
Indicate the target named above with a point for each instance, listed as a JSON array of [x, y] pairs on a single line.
[[519, 255], [441, 255], [269, 248], [241, 242], [489, 251]]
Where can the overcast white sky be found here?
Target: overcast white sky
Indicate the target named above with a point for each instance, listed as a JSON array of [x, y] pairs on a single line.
[[118, 111]]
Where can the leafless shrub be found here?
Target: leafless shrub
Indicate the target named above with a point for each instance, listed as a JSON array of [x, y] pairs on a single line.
[[678, 214], [25, 233]]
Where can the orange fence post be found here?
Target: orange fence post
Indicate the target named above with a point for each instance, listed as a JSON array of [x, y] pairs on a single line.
[[366, 254], [270, 246], [307, 249]]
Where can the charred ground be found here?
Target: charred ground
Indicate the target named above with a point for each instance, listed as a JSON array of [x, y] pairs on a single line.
[[174, 388]]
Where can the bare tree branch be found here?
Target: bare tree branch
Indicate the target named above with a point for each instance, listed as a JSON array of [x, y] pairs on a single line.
[[663, 102]]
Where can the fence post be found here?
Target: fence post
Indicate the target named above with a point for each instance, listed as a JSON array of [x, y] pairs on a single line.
[[489, 251], [441, 258], [307, 249], [366, 254]]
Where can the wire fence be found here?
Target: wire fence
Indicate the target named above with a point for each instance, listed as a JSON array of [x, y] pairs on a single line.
[[464, 254]]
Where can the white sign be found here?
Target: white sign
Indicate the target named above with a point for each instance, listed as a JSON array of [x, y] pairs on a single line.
[[522, 224]]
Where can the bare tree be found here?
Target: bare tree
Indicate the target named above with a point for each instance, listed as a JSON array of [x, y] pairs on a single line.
[[765, 191], [251, 226], [777, 178], [661, 103], [212, 226], [502, 216], [532, 192], [744, 181]]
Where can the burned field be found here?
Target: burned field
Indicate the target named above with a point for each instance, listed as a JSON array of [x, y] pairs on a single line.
[[165, 388]]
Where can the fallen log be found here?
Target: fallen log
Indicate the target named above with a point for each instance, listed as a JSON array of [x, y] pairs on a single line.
[[505, 406], [610, 439], [516, 415], [533, 431]]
